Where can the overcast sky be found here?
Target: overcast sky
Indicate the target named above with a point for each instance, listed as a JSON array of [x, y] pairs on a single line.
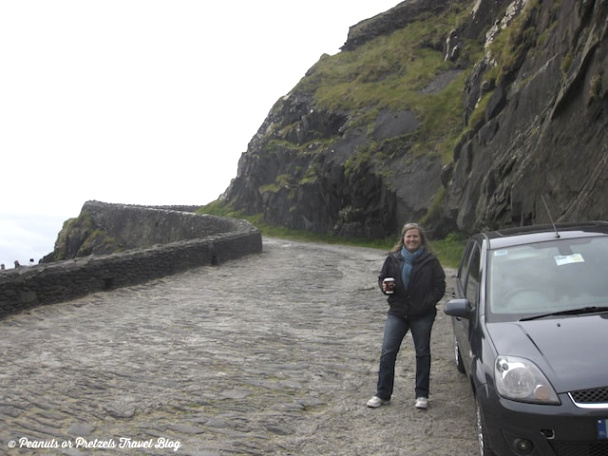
[[142, 101]]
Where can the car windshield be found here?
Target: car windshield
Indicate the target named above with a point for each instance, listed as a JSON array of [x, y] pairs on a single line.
[[547, 277]]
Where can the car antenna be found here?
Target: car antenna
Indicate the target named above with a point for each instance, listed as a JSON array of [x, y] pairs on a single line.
[[550, 218]]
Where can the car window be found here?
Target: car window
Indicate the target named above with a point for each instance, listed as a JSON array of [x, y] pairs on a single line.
[[464, 264], [472, 281], [547, 277]]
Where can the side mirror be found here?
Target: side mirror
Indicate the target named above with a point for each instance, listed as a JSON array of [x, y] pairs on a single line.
[[458, 308]]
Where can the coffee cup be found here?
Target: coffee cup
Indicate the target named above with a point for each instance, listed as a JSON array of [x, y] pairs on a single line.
[[389, 285]]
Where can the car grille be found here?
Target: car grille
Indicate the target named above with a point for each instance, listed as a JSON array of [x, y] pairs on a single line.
[[589, 397], [580, 448]]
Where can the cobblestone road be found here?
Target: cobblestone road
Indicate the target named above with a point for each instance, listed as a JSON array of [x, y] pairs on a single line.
[[272, 354]]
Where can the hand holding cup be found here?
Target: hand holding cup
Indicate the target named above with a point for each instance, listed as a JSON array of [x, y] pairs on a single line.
[[388, 285]]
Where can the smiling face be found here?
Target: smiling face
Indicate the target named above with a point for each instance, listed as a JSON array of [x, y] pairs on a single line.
[[412, 239]]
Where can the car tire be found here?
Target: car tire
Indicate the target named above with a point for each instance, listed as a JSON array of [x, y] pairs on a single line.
[[458, 357], [484, 441]]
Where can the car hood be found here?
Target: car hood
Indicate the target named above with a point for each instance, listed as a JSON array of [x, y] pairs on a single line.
[[571, 351]]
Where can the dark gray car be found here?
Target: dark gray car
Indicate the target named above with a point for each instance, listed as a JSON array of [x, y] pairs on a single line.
[[530, 319]]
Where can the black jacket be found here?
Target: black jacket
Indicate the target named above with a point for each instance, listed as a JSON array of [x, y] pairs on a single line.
[[426, 285]]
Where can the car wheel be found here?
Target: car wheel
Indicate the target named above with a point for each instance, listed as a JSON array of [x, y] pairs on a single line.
[[484, 442], [458, 357]]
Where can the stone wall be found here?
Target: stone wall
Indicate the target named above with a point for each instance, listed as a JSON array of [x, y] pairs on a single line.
[[134, 226], [218, 239]]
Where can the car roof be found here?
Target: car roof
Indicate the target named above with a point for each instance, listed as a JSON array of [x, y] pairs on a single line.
[[538, 233]]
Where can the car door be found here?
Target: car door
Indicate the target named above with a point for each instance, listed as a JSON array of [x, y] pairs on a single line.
[[467, 287]]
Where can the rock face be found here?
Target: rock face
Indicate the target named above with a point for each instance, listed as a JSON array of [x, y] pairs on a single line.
[[543, 135], [310, 191], [531, 126]]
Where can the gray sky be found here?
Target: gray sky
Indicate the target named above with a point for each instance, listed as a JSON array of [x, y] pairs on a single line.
[[142, 101]]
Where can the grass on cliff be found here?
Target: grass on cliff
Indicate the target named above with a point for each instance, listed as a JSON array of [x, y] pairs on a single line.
[[449, 250], [394, 72]]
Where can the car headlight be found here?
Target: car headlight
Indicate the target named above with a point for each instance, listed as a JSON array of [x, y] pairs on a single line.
[[520, 379]]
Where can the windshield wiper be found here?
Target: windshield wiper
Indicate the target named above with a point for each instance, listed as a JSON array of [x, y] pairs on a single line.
[[579, 311]]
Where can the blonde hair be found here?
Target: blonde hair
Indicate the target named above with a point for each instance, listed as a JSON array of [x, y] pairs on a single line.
[[405, 229]]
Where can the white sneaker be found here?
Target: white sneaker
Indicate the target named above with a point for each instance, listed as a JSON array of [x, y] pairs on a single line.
[[376, 402], [422, 403]]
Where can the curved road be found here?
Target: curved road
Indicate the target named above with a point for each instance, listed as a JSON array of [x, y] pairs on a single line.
[[271, 354]]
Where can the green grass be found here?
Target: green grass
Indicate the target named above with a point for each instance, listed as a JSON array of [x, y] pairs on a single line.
[[448, 250], [388, 72]]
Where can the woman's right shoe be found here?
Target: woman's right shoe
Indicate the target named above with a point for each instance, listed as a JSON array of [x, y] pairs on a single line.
[[422, 403], [376, 402]]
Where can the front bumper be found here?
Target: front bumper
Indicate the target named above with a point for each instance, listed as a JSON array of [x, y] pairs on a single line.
[[552, 430]]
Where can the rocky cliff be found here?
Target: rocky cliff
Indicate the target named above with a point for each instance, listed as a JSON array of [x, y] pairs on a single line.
[[462, 115]]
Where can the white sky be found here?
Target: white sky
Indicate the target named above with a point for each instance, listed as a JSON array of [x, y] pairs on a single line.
[[142, 101]]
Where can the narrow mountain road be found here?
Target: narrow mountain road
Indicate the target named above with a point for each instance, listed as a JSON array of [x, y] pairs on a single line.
[[271, 354]]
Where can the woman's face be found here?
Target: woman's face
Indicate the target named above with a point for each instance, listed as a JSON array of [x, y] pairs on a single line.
[[412, 239]]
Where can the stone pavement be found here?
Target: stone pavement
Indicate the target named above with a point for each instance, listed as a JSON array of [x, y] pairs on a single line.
[[271, 354]]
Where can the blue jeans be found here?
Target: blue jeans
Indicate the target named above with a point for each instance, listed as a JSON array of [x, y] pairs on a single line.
[[395, 330]]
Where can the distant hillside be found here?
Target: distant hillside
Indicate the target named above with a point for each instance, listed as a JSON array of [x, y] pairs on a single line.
[[462, 115]]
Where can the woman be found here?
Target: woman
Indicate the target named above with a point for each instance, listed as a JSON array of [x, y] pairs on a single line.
[[419, 284]]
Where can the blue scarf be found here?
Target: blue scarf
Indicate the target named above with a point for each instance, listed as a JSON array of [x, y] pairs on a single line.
[[408, 264]]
